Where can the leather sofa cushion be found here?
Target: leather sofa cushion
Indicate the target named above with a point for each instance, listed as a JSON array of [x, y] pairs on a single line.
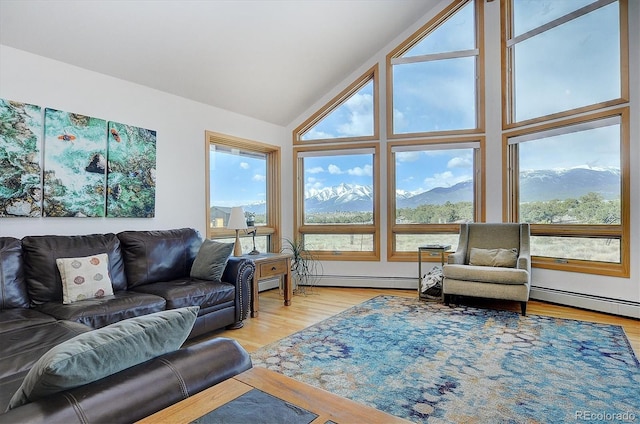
[[97, 354], [486, 274], [13, 289], [40, 269], [22, 347], [142, 390], [185, 292], [99, 312], [155, 256], [13, 319]]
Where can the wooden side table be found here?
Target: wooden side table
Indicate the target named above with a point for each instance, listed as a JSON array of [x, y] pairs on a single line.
[[270, 265]]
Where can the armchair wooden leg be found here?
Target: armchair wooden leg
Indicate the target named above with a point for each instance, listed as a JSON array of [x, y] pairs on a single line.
[[523, 307]]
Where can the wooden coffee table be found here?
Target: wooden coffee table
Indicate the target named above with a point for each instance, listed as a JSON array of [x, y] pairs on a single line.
[[327, 406]]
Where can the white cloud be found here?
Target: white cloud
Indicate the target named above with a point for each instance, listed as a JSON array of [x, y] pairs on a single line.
[[353, 118], [314, 134], [444, 179], [259, 177], [399, 120], [459, 162], [407, 156], [312, 185], [315, 170], [361, 172], [244, 165], [334, 169], [360, 116]]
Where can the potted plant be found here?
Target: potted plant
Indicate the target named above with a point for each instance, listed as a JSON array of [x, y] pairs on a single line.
[[305, 269]]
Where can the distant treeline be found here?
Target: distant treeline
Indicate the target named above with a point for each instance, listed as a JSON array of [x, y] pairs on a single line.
[[339, 217], [591, 208], [436, 214]]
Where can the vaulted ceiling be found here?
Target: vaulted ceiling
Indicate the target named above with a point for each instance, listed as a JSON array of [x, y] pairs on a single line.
[[269, 59]]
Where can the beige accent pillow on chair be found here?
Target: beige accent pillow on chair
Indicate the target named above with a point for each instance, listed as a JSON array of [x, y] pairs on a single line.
[[84, 278], [505, 258]]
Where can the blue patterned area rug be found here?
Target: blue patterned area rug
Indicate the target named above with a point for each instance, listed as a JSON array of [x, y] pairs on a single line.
[[428, 362]]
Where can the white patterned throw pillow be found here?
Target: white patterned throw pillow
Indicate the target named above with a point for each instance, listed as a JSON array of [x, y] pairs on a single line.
[[84, 278]]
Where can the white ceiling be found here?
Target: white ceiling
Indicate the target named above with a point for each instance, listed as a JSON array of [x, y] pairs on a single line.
[[269, 59]]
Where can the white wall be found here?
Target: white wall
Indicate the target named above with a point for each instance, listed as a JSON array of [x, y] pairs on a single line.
[[621, 295], [180, 126]]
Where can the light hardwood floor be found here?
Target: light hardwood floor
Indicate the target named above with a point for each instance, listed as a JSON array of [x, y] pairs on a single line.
[[276, 321]]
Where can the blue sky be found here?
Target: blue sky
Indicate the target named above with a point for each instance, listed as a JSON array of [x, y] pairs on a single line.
[[236, 180], [425, 170]]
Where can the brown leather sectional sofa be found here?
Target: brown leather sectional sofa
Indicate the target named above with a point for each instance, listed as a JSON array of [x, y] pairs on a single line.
[[149, 272]]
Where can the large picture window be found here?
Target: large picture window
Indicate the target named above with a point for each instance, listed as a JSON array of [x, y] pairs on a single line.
[[337, 194], [243, 173], [570, 183], [566, 149], [437, 186]]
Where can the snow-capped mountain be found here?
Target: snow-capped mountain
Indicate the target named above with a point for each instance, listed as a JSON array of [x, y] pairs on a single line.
[[344, 197], [539, 185], [259, 208]]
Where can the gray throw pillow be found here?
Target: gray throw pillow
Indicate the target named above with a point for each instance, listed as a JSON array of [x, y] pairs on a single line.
[[99, 353], [211, 260], [506, 258]]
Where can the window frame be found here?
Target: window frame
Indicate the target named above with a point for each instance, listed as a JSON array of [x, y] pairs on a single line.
[[273, 156], [301, 229], [415, 38], [370, 75], [394, 228], [508, 42], [601, 110], [621, 231]]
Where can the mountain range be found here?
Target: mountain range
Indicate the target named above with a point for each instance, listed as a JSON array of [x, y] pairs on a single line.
[[538, 185]]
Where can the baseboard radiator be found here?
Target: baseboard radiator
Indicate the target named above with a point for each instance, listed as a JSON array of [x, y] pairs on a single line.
[[586, 301], [578, 300]]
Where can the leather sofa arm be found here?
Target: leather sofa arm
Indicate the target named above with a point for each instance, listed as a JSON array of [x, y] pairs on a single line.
[[239, 272], [142, 390]]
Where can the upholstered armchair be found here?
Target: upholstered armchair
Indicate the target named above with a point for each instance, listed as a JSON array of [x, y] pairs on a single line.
[[491, 261]]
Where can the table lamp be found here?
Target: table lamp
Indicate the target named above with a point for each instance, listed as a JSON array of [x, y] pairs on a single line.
[[237, 222]]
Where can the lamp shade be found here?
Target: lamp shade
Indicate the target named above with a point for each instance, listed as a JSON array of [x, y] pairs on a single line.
[[237, 221]]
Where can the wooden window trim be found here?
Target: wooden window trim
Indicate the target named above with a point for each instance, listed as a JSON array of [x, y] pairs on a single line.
[[273, 183], [300, 229], [353, 88]]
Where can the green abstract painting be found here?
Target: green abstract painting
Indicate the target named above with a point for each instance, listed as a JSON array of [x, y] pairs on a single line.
[[131, 181], [91, 168], [75, 151], [20, 159]]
